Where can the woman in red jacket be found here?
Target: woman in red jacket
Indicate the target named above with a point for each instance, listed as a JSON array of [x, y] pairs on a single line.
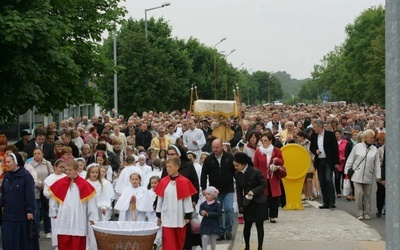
[[267, 158]]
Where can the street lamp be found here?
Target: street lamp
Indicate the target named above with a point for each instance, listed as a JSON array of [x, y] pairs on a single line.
[[145, 15], [248, 90], [215, 68], [115, 71], [226, 74], [269, 88]]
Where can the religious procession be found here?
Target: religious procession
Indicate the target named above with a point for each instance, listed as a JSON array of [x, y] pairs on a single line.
[[183, 179]]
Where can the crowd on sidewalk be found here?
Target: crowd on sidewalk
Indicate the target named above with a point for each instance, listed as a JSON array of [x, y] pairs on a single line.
[[108, 165]]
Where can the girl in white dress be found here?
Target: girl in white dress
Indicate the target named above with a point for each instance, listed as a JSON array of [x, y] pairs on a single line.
[[134, 202], [145, 168], [109, 191], [102, 160], [82, 167], [102, 200], [151, 216]]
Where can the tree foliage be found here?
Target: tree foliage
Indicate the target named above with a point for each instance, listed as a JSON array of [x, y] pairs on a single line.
[[49, 50], [157, 73], [355, 70], [290, 86]]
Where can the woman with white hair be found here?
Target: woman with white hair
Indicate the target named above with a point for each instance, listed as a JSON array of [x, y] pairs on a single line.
[[364, 160]]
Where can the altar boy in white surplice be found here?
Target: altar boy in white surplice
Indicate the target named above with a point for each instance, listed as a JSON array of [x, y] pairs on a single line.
[[74, 207]]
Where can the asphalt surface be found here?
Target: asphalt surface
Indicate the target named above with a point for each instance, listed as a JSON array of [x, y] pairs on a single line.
[[350, 207]]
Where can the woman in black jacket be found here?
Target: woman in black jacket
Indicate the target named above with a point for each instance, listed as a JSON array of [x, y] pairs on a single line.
[[252, 202]]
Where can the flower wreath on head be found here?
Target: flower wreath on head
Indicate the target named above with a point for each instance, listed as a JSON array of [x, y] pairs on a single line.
[[91, 165]]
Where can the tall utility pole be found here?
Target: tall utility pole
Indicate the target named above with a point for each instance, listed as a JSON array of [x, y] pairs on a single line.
[[115, 72], [248, 90], [392, 79], [215, 68], [145, 15], [226, 74], [269, 89]]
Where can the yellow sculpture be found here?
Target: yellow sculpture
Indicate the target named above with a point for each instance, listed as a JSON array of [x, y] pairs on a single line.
[[297, 163]]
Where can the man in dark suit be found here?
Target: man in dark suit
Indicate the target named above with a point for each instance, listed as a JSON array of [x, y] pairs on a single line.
[[350, 126], [304, 120], [25, 138], [143, 137], [97, 124], [207, 134], [325, 148], [66, 138], [238, 132], [246, 131], [39, 142]]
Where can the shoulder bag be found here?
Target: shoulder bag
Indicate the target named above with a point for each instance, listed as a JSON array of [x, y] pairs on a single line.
[[351, 171]]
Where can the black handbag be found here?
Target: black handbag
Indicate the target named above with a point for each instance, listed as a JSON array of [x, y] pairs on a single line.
[[32, 230], [350, 172]]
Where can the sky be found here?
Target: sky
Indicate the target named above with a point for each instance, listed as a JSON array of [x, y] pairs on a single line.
[[268, 35]]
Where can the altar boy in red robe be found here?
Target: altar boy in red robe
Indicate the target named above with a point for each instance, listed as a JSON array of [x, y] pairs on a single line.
[[74, 209], [174, 206]]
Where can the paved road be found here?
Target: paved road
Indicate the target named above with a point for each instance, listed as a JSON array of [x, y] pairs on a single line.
[[350, 207]]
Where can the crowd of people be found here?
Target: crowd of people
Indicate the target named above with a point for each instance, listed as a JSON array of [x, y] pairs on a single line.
[[108, 167]]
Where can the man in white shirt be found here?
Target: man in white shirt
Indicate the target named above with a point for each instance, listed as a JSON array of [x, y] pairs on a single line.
[[171, 133], [194, 139], [275, 121]]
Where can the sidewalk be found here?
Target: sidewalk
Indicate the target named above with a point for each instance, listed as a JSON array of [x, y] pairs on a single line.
[[314, 228]]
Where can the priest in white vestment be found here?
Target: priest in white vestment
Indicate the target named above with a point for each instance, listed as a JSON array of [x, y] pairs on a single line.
[[194, 139]]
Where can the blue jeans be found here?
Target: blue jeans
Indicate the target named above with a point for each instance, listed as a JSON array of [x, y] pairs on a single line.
[[41, 211], [325, 177], [226, 201]]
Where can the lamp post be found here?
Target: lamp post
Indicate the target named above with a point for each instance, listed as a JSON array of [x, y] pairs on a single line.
[[215, 68], [226, 74], [248, 90], [115, 71], [145, 15], [269, 88]]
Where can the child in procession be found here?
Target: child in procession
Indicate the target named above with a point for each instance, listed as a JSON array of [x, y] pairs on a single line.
[[174, 206], [151, 216], [134, 202], [211, 210], [109, 191], [101, 199], [82, 167]]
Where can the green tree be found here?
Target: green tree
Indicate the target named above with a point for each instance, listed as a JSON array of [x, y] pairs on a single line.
[[152, 74], [267, 85], [202, 64], [290, 86], [365, 55], [355, 70], [49, 50]]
